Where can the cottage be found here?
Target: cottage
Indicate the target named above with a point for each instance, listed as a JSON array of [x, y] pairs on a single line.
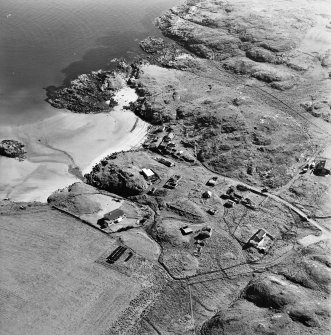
[[148, 174], [261, 240], [114, 216]]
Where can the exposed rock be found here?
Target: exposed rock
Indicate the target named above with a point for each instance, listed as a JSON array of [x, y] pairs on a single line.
[[168, 54], [89, 92], [13, 149], [259, 54], [319, 108], [240, 35], [152, 45], [125, 181], [272, 306]]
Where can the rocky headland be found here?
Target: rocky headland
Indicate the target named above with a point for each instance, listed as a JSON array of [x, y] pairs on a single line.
[[90, 93]]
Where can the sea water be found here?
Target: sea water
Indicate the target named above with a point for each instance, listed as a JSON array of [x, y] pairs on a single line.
[[49, 42]]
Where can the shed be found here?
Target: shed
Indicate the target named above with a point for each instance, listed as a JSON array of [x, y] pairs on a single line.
[[148, 173]]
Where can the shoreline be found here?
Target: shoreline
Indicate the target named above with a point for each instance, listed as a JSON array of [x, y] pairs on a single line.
[[64, 141], [126, 146]]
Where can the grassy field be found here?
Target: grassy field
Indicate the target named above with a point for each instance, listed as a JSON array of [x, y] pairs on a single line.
[[50, 282]]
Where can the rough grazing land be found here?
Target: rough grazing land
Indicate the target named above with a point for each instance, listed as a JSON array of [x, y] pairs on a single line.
[[50, 281]]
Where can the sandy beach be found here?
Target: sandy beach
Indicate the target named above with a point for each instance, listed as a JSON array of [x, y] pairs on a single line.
[[66, 140]]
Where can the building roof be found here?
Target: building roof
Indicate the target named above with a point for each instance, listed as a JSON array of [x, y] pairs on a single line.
[[186, 230], [113, 215], [259, 235], [212, 181], [147, 172]]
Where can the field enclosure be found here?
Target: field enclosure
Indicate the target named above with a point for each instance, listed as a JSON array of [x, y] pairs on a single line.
[[50, 280]]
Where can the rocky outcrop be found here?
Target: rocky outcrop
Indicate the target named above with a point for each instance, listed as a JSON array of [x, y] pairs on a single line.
[[271, 305], [243, 38], [124, 181], [89, 92], [152, 45], [13, 149], [319, 109], [168, 54]]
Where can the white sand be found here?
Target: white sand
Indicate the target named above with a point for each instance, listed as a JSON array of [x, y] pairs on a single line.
[[62, 140]]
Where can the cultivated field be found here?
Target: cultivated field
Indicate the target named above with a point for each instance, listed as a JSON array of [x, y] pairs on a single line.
[[50, 282]]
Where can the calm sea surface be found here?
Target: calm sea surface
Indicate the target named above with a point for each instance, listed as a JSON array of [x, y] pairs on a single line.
[[47, 42]]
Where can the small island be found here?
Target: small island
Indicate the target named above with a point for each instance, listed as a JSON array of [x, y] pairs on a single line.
[[12, 149]]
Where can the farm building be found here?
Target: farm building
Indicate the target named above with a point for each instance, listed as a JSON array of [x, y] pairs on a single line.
[[148, 174]]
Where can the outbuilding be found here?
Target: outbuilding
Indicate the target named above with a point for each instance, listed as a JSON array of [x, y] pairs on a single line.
[[186, 230], [148, 173]]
